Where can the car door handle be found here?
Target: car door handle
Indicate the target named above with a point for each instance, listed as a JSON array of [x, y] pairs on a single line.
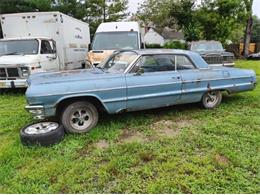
[[178, 77]]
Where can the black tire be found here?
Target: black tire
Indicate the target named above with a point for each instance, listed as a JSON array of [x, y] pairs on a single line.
[[75, 120], [211, 99], [43, 139]]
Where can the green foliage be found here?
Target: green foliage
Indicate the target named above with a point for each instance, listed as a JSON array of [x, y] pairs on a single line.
[[256, 30], [152, 46], [209, 151], [168, 45], [156, 12], [220, 20], [175, 45]]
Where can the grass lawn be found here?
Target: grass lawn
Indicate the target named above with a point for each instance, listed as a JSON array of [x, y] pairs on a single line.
[[180, 149]]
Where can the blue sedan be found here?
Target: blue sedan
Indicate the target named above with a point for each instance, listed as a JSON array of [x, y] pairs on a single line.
[[129, 81]]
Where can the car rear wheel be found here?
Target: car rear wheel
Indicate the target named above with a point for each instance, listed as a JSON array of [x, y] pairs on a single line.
[[42, 133], [211, 99], [79, 117]]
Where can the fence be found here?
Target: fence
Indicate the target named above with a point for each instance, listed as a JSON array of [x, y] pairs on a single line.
[[237, 49]]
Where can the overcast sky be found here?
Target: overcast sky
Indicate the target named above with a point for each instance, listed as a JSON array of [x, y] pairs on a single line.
[[133, 5]]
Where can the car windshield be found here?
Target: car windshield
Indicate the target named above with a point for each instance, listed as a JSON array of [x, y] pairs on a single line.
[[118, 63], [22, 47], [207, 46], [115, 41]]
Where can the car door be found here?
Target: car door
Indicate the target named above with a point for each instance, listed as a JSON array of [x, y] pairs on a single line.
[[153, 82], [195, 82], [49, 59]]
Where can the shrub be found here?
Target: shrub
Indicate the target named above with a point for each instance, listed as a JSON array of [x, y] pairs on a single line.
[[153, 46], [175, 45]]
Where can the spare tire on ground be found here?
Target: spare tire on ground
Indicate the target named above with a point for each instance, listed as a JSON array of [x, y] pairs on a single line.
[[42, 133]]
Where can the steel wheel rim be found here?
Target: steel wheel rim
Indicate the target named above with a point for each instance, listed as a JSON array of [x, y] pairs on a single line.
[[41, 128], [81, 119], [211, 98]]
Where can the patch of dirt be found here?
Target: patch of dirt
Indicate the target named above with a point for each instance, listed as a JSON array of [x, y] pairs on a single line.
[[128, 136], [102, 144], [88, 148], [147, 156], [171, 128], [85, 151], [221, 159]]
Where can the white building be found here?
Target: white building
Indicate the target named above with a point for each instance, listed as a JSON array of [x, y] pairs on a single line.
[[152, 37]]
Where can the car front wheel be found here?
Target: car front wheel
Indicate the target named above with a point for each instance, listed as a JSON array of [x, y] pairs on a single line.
[[211, 99], [79, 117]]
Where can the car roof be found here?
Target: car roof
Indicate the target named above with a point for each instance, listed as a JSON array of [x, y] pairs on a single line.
[[162, 51], [195, 57], [206, 41]]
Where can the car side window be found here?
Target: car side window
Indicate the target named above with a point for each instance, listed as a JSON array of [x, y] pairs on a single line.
[[46, 47], [183, 63], [156, 63]]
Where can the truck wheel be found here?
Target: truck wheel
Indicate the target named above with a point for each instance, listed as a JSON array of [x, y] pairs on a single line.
[[79, 117], [211, 99], [42, 133]]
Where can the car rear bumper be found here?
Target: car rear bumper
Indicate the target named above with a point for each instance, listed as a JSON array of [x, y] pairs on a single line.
[[19, 83]]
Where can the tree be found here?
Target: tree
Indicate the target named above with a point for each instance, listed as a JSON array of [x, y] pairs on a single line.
[[249, 25], [154, 12], [221, 20], [256, 30], [211, 19], [184, 13], [98, 11]]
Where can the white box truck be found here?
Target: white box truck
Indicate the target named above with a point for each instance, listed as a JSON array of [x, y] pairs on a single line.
[[40, 41], [111, 36]]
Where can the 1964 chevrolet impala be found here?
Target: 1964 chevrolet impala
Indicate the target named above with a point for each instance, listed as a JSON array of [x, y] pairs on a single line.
[[132, 80]]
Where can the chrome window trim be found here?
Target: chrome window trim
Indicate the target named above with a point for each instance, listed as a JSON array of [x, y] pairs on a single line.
[[129, 68]]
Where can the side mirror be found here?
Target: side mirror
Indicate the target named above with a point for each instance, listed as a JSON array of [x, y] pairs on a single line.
[[89, 47], [139, 72], [142, 45]]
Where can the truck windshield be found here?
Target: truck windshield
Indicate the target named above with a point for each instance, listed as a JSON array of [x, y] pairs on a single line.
[[13, 47], [207, 46], [115, 41]]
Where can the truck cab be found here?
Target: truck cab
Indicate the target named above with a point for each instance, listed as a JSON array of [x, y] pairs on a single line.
[[38, 42], [21, 57], [112, 36]]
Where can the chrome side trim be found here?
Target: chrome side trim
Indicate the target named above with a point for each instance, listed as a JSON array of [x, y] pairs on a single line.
[[155, 95], [228, 78], [137, 86], [114, 100], [28, 107], [80, 92], [215, 88], [152, 85]]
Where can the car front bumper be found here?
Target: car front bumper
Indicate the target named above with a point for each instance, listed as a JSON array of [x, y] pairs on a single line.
[[229, 64], [19, 83], [38, 111]]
